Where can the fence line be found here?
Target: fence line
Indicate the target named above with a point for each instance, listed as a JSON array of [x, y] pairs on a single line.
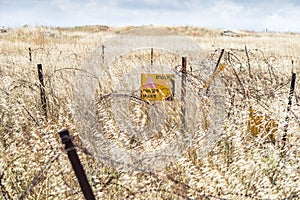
[[229, 57]]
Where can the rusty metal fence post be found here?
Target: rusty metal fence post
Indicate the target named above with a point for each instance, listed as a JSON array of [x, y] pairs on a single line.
[[42, 88], [30, 52], [292, 88], [103, 47], [183, 94], [76, 164], [151, 55]]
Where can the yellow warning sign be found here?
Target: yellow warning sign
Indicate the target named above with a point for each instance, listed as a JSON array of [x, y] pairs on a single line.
[[157, 86]]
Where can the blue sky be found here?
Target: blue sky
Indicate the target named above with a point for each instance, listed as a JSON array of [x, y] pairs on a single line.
[[257, 15]]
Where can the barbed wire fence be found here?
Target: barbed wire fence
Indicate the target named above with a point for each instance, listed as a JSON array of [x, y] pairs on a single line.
[[236, 77]]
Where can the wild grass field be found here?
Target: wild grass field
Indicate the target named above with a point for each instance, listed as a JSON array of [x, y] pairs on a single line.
[[246, 163]]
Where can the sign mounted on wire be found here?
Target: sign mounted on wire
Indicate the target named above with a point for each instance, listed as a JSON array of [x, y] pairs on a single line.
[[157, 87], [126, 111]]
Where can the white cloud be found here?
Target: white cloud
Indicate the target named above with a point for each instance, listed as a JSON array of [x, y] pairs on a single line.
[[286, 19], [65, 5], [257, 15]]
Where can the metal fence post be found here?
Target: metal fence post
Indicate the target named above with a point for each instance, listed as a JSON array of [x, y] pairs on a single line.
[[219, 60], [183, 94], [102, 53], [151, 56], [292, 88], [30, 58], [42, 89], [76, 164]]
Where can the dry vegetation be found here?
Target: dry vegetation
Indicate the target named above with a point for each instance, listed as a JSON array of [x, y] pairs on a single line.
[[244, 164]]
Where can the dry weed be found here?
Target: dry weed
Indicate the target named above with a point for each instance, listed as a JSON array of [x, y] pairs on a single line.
[[33, 164]]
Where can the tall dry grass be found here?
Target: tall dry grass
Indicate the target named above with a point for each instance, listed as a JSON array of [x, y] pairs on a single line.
[[33, 164]]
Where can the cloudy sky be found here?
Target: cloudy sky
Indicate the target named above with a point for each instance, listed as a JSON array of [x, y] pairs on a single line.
[[257, 15]]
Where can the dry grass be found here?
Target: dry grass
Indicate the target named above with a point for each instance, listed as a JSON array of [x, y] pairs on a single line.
[[240, 166]]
